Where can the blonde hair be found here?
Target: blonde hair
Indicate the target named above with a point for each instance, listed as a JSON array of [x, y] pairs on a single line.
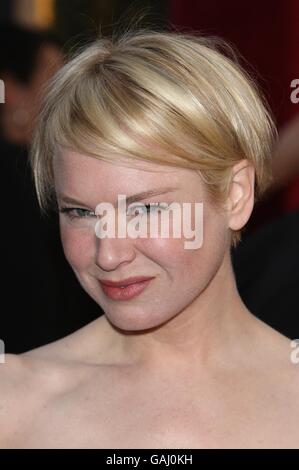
[[178, 91]]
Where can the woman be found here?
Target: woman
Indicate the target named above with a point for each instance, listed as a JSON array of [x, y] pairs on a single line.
[[177, 360]]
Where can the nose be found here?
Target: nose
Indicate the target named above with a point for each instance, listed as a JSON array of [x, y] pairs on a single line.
[[111, 252]]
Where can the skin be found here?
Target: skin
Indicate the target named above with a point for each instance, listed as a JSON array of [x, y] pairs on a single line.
[[183, 365]]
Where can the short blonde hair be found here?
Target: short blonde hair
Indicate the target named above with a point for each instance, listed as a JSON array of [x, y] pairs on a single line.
[[179, 91]]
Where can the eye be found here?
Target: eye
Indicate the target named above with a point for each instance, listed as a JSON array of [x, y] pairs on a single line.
[[77, 212], [141, 209]]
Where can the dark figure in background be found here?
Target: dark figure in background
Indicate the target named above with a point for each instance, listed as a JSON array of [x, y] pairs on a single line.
[[266, 265], [41, 297], [266, 262]]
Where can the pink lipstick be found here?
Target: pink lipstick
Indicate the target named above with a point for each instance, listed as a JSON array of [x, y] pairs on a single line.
[[125, 289]]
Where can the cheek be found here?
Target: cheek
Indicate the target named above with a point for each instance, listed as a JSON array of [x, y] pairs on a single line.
[[171, 256], [77, 246], [193, 268]]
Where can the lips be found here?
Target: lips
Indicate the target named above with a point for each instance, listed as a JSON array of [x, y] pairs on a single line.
[[125, 282], [125, 289]]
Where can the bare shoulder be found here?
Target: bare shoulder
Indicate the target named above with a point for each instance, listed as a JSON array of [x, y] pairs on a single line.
[[283, 388], [12, 375], [28, 382], [84, 346], [278, 357], [14, 386], [276, 351]]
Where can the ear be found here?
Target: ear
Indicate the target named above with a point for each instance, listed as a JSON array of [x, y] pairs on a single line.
[[241, 194]]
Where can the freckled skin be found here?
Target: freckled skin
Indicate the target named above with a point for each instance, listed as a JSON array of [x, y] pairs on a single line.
[[181, 273]]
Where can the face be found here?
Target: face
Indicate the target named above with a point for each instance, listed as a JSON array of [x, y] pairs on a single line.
[[179, 275]]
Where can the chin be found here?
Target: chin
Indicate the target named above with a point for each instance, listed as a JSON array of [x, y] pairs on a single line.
[[134, 320]]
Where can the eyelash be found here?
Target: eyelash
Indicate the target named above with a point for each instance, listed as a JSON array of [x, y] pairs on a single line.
[[71, 211], [156, 205]]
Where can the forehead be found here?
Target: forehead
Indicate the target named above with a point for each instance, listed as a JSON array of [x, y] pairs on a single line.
[[78, 174]]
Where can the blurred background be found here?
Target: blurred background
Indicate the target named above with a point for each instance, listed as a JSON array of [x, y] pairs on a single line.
[[41, 299]]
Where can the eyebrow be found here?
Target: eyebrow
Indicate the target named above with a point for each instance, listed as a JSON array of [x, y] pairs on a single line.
[[129, 200]]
